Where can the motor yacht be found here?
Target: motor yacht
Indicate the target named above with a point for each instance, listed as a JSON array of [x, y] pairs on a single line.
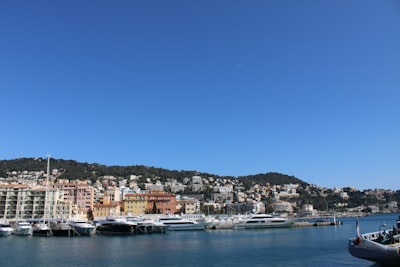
[[180, 224], [258, 221], [115, 226], [41, 229], [22, 228], [83, 227], [5, 228]]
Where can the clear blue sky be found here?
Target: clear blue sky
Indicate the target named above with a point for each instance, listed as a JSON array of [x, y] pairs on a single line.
[[304, 88]]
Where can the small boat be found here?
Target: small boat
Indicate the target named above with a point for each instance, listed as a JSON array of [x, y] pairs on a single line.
[[83, 227], [61, 228], [115, 226], [259, 221], [5, 228], [22, 228], [175, 223], [382, 247], [41, 229], [322, 222]]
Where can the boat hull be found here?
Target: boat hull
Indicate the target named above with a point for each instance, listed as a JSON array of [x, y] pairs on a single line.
[[6, 232], [43, 233], [22, 228], [262, 225], [186, 227], [83, 228], [23, 231], [385, 255], [116, 229], [62, 229], [41, 230]]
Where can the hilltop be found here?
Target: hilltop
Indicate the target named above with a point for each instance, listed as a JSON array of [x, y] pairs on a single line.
[[73, 170]]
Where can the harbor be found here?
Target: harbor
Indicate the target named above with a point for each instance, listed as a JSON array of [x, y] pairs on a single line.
[[324, 246], [154, 224]]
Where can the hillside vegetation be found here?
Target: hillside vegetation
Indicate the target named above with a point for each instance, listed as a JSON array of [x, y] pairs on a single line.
[[74, 170]]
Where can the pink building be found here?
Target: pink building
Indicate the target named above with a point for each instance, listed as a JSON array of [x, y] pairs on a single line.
[[78, 192]]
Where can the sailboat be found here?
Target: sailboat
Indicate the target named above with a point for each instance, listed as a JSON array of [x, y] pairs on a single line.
[[41, 228]]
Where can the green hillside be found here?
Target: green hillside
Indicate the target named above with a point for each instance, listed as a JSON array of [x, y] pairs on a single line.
[[73, 170]]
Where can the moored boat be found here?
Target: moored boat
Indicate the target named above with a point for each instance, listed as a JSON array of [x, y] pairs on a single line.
[[41, 229], [115, 226], [175, 223], [22, 228], [5, 228], [83, 227], [258, 221], [60, 228], [382, 247], [147, 226]]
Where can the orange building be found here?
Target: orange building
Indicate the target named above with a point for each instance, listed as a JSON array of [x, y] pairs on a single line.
[[106, 208]]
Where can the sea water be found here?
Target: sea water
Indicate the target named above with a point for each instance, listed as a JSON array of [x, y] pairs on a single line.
[[302, 246]]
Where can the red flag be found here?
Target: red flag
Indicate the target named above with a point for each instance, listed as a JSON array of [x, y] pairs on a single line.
[[358, 235]]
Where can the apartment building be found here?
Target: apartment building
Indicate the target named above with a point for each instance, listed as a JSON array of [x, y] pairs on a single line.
[[106, 208], [135, 204], [79, 193], [22, 202], [188, 206], [160, 202]]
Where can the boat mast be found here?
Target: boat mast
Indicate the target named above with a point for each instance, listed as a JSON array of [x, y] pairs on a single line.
[[47, 185]]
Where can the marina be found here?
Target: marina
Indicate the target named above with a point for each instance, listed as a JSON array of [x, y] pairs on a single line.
[[324, 246], [153, 224]]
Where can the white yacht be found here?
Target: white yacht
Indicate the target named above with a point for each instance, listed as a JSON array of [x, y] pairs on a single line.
[[5, 228], [22, 228], [258, 221], [179, 224], [83, 227]]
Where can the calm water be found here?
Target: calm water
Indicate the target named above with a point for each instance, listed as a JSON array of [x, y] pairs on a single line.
[[308, 246]]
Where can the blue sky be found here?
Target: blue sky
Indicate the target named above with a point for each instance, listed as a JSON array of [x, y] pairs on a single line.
[[304, 88]]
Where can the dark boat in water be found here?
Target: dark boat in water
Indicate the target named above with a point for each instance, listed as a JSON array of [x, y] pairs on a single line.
[[41, 229], [62, 229], [115, 226]]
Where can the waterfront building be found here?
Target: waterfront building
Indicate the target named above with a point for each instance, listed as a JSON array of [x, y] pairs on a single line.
[[79, 193], [114, 193], [187, 205], [307, 210], [135, 204], [222, 197], [160, 202], [106, 208], [23, 202], [282, 206], [66, 210]]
